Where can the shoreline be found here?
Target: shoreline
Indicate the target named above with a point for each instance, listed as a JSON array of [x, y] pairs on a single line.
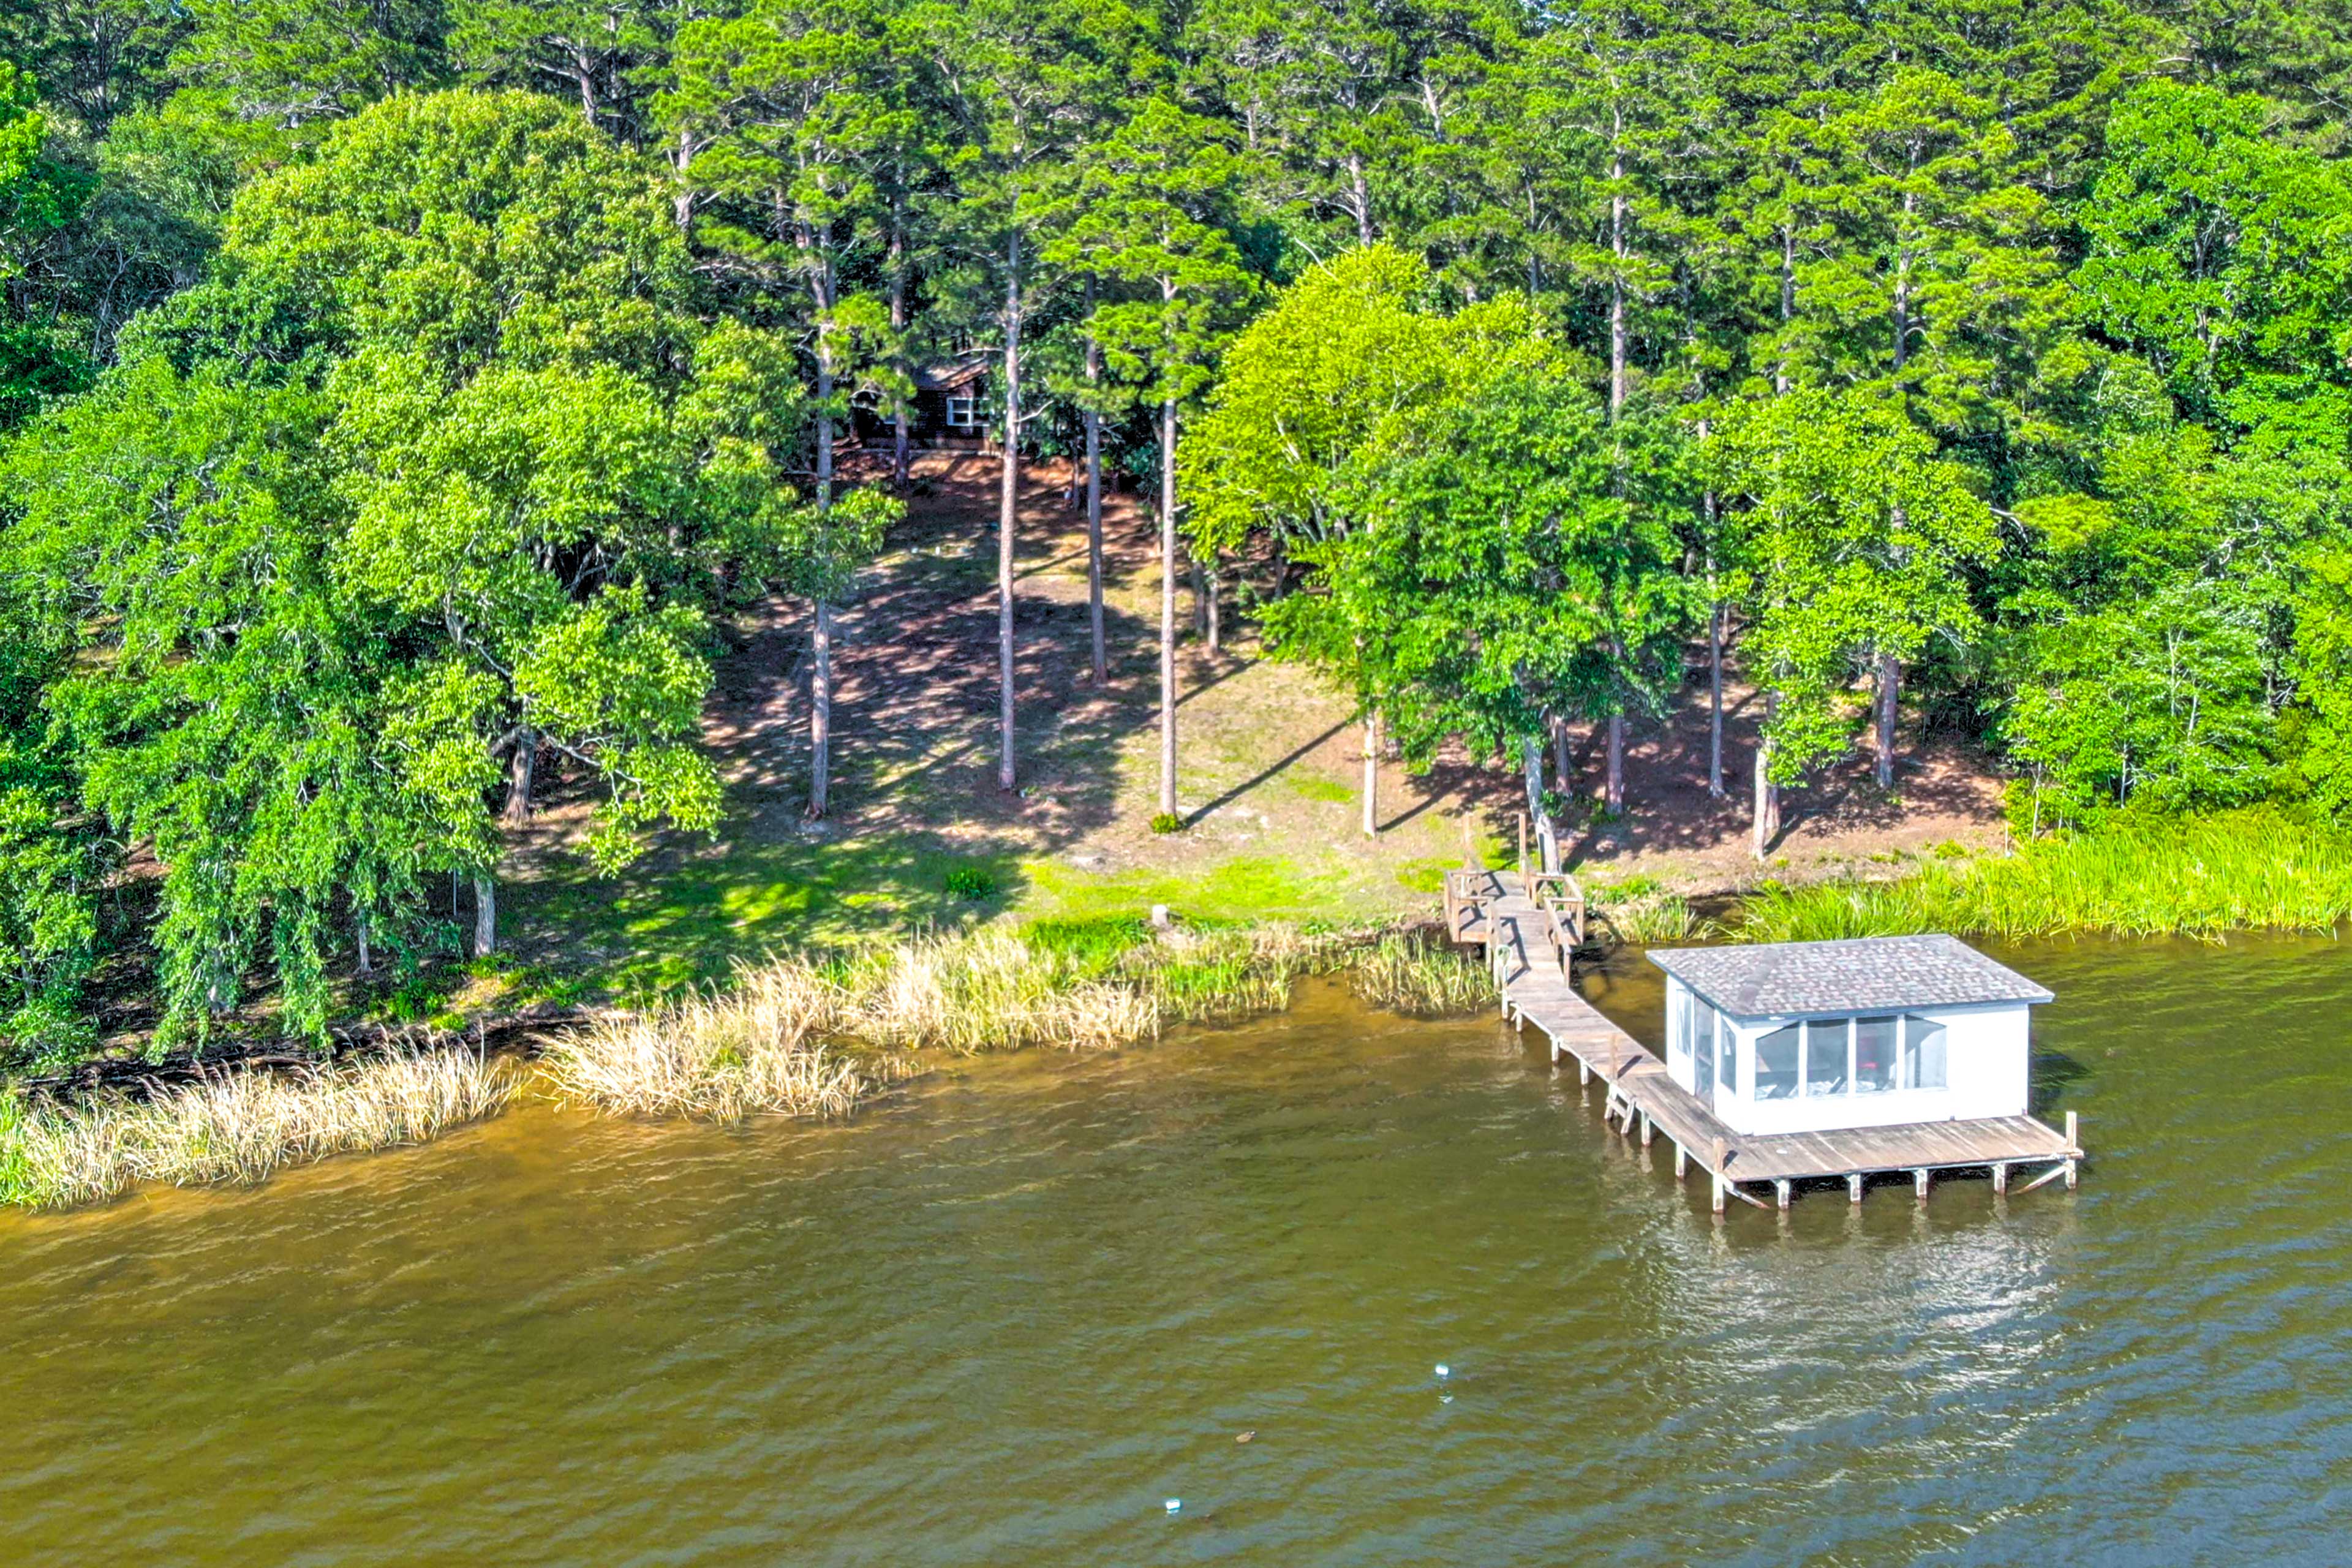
[[814, 1035], [805, 1037]]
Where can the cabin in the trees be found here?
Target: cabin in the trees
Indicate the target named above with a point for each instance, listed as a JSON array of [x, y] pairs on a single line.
[[952, 408], [1816, 1037]]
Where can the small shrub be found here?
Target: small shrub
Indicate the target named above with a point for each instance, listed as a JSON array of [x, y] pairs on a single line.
[[1950, 849], [1093, 943], [1167, 822], [971, 882], [45, 1035]]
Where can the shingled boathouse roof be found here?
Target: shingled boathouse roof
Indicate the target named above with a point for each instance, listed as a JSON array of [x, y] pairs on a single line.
[[1860, 974]]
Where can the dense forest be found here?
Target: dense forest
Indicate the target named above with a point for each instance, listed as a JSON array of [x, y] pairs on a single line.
[[397, 395]]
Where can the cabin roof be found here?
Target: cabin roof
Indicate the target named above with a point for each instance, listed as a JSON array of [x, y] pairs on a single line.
[[1858, 975], [951, 377]]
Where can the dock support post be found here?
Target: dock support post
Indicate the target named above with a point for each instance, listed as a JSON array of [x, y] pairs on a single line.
[[1718, 1192], [2071, 1176], [1919, 1183], [2000, 1176], [1780, 1193], [1854, 1187], [1681, 1162], [1583, 1072], [1646, 1129], [2074, 1142]]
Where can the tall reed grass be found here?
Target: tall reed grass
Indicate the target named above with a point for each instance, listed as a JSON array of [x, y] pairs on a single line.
[[812, 1035], [238, 1125], [1406, 975], [2252, 870]]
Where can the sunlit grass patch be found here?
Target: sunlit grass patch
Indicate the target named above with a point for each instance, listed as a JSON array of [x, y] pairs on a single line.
[[1424, 875], [2253, 870]]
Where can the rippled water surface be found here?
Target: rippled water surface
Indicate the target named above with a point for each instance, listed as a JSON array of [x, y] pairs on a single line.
[[1000, 1320]]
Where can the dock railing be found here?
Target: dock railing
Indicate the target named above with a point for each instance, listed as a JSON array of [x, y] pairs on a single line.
[[1562, 902]]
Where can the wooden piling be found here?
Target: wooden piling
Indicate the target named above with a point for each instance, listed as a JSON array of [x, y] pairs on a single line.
[[1854, 1187], [1648, 1127], [1681, 1162], [2000, 1176], [1718, 1193], [1919, 1183], [1780, 1193]]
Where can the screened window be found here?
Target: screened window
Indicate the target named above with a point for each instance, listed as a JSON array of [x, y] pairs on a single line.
[[1726, 1057], [1825, 1055], [1922, 1054], [960, 412], [1702, 1046], [1776, 1064], [1873, 1055]]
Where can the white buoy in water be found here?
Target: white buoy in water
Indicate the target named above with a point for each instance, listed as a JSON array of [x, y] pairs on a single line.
[[1443, 1370], [1175, 1505]]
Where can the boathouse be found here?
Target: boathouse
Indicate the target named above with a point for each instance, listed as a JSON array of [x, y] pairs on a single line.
[[1787, 1065], [1820, 1037]]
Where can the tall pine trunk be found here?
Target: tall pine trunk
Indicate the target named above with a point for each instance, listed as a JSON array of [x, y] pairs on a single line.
[[1614, 791], [820, 710], [1168, 608], [1371, 775], [1007, 499], [486, 915], [1613, 786], [1890, 686], [1714, 692], [1547, 834], [522, 767], [1094, 506], [820, 620], [1767, 822], [901, 435]]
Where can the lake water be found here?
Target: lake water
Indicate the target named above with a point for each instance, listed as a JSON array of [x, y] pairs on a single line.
[[1001, 1318]]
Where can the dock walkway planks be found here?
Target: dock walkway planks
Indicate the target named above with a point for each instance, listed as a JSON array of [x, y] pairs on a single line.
[[1489, 908]]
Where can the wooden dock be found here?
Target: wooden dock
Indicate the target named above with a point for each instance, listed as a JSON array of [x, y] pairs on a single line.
[[1531, 927]]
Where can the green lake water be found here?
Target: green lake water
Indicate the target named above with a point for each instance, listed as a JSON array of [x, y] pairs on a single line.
[[1001, 1318]]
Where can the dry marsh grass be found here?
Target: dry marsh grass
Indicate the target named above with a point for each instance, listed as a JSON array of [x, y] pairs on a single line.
[[239, 1125], [722, 1058], [805, 1034], [809, 1034]]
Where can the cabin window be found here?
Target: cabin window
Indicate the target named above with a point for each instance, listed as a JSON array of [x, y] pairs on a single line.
[[1702, 1046], [1727, 1058], [959, 411], [1873, 1055], [1825, 1055], [1922, 1054], [1776, 1064]]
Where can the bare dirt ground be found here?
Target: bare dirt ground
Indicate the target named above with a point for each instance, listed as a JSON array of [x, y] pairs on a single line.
[[1271, 765]]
